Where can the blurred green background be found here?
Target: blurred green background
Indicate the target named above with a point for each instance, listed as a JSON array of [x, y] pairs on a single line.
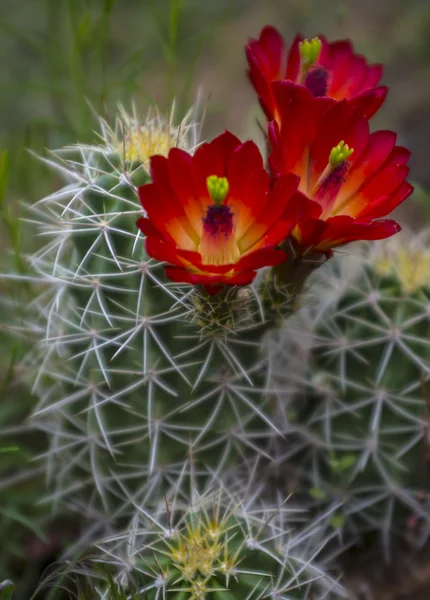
[[64, 61], [61, 55]]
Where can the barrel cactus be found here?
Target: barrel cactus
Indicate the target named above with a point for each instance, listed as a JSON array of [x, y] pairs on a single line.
[[358, 417], [134, 374]]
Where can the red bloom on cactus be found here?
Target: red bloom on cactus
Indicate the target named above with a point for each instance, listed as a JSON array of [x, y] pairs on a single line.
[[331, 70], [350, 177], [215, 217]]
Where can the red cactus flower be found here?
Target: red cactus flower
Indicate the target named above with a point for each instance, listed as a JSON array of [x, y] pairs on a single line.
[[351, 177], [326, 69], [215, 217]]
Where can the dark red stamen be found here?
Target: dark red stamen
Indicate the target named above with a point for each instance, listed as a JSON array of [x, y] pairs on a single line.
[[317, 81], [336, 177], [218, 220]]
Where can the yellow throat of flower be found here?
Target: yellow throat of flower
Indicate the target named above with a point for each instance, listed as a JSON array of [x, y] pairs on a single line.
[[218, 245]]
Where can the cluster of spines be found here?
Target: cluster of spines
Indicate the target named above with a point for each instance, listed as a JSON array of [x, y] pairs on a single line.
[[216, 544]]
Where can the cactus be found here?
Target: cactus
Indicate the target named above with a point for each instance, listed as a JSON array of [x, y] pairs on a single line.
[[358, 427], [134, 374], [210, 545]]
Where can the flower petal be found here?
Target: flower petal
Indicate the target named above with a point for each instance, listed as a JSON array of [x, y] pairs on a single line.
[[300, 114], [341, 122], [282, 200], [167, 214], [386, 205], [342, 230]]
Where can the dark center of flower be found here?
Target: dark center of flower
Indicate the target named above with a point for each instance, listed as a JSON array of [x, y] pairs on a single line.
[[316, 81], [218, 220], [336, 176]]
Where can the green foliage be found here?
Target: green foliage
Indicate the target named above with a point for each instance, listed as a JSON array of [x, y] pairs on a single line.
[[422, 197], [6, 590]]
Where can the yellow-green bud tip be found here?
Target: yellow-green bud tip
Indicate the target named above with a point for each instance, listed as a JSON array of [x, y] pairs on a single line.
[[339, 154], [310, 51], [217, 187]]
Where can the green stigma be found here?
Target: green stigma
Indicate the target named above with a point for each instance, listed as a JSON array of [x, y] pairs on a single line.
[[217, 187], [339, 154], [310, 51]]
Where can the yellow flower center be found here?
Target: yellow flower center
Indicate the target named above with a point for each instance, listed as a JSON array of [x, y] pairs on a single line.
[[218, 245]]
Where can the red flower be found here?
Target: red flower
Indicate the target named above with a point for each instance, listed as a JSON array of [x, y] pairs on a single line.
[[326, 69], [214, 217], [350, 176]]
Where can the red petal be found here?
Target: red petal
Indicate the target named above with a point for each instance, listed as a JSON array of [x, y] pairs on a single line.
[[214, 281], [342, 230], [267, 256], [309, 233], [249, 184], [340, 122], [147, 227], [369, 101], [386, 205], [378, 149], [374, 74], [159, 170], [279, 201], [167, 214], [383, 183], [159, 250], [212, 158], [269, 51], [183, 184], [293, 60], [299, 114], [342, 59], [398, 156], [350, 80], [263, 88]]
